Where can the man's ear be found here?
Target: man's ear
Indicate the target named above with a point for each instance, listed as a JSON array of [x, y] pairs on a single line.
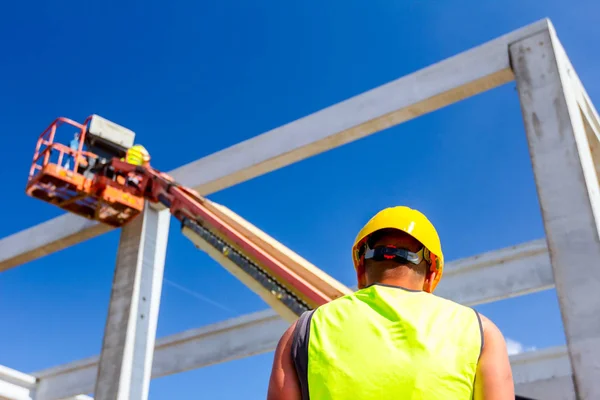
[[361, 277], [429, 278]]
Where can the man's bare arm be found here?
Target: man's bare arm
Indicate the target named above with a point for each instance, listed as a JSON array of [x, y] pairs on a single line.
[[494, 380], [283, 384]]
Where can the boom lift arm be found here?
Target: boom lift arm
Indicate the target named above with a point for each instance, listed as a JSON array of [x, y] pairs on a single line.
[[202, 220], [113, 192]]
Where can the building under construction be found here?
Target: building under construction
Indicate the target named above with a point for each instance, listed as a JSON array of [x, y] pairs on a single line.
[[98, 188]]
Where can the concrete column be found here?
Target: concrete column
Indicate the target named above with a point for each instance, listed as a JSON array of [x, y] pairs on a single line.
[[569, 196], [130, 332]]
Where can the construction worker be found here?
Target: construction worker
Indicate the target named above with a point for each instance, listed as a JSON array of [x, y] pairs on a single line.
[[393, 339], [74, 147], [137, 155]]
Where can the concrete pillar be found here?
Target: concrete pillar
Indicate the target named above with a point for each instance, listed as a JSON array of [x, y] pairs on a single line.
[[130, 332], [569, 196]]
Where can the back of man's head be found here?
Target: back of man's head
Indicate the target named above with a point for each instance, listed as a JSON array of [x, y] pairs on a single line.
[[398, 242], [378, 271]]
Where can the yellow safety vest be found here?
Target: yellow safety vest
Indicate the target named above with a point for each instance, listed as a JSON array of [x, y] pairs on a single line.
[[136, 155], [387, 342]]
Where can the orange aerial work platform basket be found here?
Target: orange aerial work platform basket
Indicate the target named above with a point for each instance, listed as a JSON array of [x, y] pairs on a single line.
[[66, 175]]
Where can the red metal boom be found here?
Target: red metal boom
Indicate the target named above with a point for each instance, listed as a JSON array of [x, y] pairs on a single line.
[[184, 203]]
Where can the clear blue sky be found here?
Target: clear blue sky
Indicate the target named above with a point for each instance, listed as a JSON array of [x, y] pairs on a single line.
[[192, 78]]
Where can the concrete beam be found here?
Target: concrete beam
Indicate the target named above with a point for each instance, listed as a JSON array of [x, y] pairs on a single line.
[[543, 374], [548, 389], [46, 238], [466, 74], [236, 338], [15, 385], [497, 275], [476, 280], [129, 336], [591, 120], [569, 193], [199, 349]]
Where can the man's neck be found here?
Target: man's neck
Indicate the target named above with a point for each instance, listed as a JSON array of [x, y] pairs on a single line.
[[403, 282], [405, 279]]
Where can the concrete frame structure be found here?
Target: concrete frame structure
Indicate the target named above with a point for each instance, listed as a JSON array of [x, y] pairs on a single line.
[[128, 346], [563, 132]]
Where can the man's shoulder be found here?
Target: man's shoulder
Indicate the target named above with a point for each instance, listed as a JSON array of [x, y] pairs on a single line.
[[451, 303], [489, 327], [332, 307], [454, 311]]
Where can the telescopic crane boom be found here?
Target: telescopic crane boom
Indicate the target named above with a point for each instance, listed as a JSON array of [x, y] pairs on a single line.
[[113, 191]]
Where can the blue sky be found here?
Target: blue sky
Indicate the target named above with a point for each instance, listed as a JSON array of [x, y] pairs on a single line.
[[192, 78]]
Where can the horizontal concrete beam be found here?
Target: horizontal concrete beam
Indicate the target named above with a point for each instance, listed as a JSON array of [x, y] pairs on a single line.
[[236, 338], [543, 374], [474, 280], [46, 238], [498, 274], [466, 74], [548, 389], [15, 385]]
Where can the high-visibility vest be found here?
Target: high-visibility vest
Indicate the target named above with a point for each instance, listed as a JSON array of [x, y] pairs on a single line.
[[137, 155], [387, 342]]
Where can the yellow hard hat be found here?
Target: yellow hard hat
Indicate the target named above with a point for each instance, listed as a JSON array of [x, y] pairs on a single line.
[[411, 222], [142, 151]]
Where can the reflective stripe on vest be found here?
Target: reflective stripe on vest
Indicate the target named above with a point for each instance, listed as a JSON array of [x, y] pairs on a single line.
[[386, 342], [134, 156]]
